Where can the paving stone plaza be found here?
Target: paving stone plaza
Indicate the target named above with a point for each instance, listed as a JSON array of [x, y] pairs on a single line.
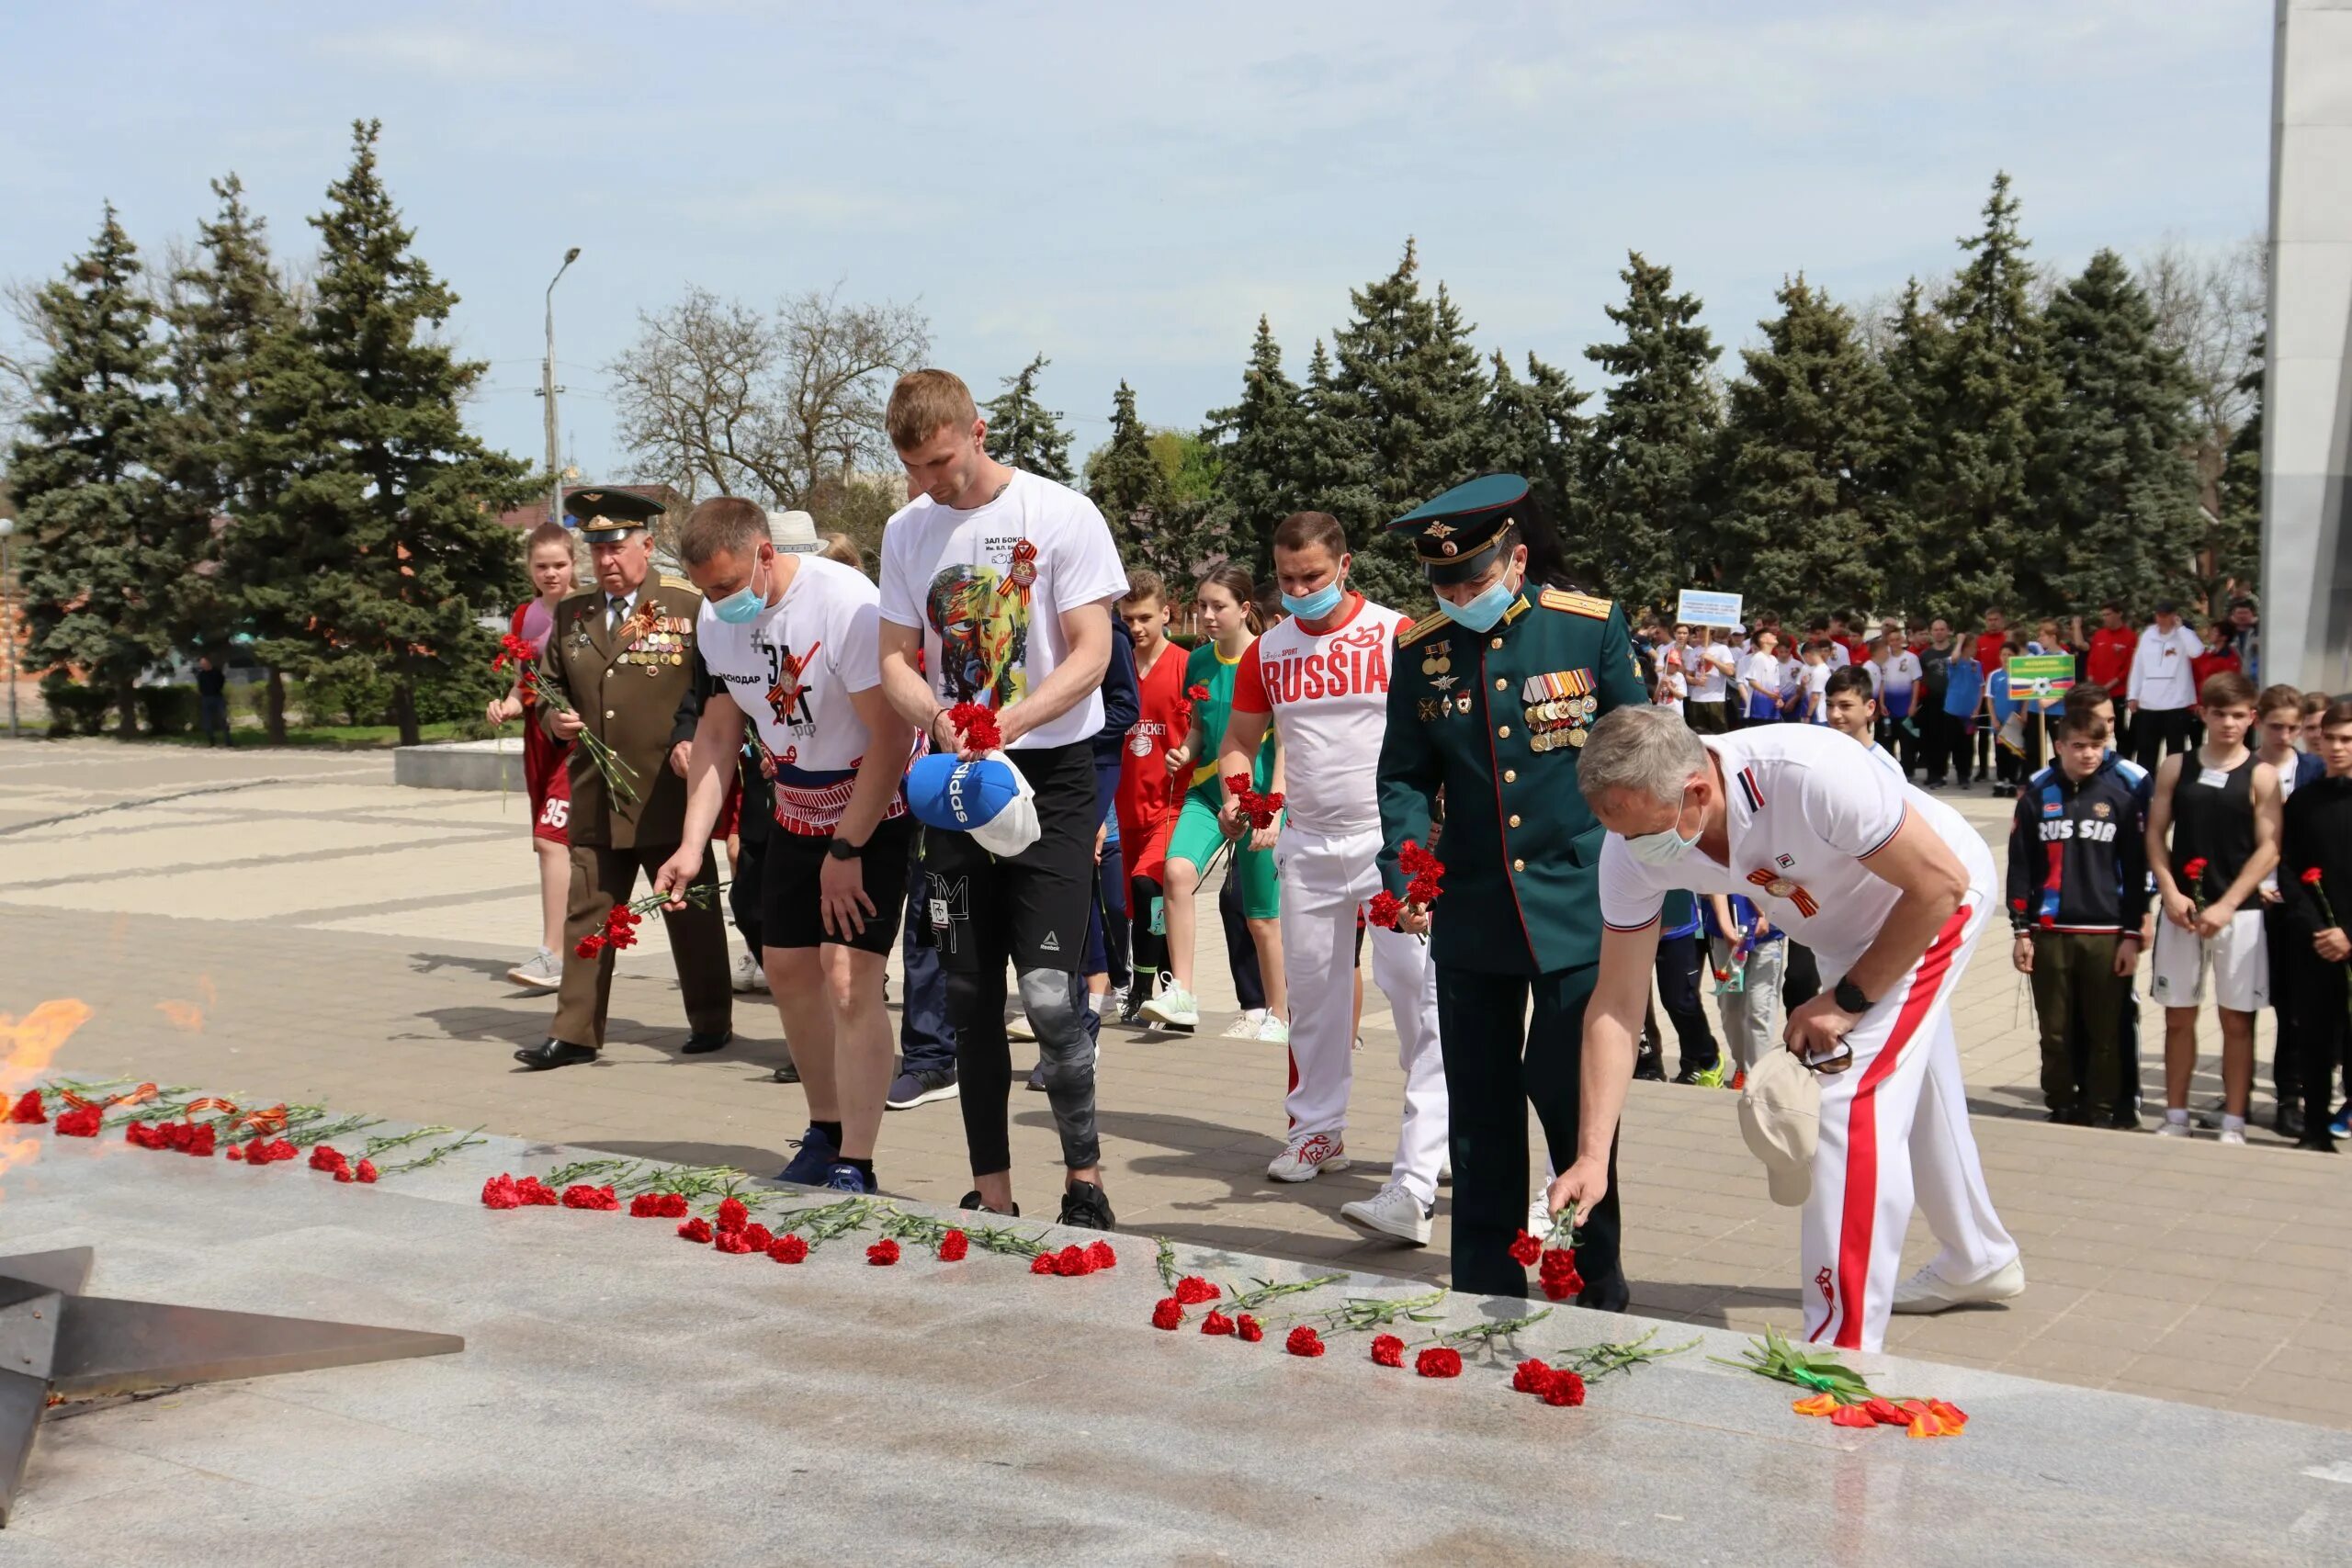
[[292, 927]]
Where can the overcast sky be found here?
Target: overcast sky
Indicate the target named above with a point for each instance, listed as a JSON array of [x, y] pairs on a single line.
[[1126, 187]]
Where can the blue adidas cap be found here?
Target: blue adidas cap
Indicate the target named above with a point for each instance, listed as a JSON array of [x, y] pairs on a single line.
[[987, 798]]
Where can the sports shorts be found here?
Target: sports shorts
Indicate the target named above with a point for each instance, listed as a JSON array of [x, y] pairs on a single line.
[[791, 911], [2237, 959], [1197, 840]]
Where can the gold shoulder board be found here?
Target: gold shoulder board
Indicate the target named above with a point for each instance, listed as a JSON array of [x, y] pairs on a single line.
[[670, 581], [1575, 603], [1423, 627]]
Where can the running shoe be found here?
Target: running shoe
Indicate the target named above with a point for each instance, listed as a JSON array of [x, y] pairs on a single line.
[[972, 1205], [844, 1176], [1392, 1211], [1247, 1026], [1175, 1006], [910, 1090], [1017, 1028], [2342, 1126], [1130, 1009], [1929, 1292], [814, 1163], [1275, 1031], [1308, 1156], [748, 976], [1085, 1207], [543, 971]]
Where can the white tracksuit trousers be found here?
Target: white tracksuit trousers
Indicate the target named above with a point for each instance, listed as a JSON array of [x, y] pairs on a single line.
[[1326, 879]]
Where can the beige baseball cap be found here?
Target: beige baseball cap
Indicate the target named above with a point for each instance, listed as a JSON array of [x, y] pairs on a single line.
[[1779, 1115]]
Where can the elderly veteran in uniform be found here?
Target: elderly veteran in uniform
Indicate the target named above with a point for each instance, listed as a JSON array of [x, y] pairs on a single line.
[[1490, 701], [622, 656]]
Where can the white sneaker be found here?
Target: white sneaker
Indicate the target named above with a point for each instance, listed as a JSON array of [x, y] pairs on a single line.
[[1017, 1028], [1359, 1044], [1275, 1031], [1174, 1005], [543, 971], [2168, 1128], [1308, 1156], [748, 976], [1929, 1291], [1246, 1027], [1391, 1211], [2234, 1135]]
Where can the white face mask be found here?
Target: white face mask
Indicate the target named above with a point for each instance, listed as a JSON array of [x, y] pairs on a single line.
[[1668, 845]]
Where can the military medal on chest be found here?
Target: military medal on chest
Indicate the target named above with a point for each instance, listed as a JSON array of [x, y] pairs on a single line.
[[1022, 573], [1778, 886], [1558, 706]]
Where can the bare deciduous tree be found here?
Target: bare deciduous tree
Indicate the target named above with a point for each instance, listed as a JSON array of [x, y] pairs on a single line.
[[785, 406], [2210, 308]]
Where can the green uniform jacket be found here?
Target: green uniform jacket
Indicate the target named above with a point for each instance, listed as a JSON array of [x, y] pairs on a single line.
[[641, 694], [1496, 719]]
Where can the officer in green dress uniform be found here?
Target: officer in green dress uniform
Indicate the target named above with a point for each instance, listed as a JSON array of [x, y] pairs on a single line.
[[1489, 701], [622, 655]]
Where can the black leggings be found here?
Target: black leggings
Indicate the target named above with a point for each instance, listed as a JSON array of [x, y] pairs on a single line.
[[1054, 1001]]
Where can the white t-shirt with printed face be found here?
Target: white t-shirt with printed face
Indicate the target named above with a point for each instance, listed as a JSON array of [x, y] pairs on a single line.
[[1710, 667], [989, 586], [1802, 821], [1328, 696], [791, 671]]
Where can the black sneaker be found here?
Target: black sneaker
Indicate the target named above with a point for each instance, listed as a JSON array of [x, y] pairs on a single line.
[[1649, 1067], [1131, 1009], [1086, 1207], [786, 1073], [972, 1204], [910, 1090], [1689, 1075], [2123, 1119]]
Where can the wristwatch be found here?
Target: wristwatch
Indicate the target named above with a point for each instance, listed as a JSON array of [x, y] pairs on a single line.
[[839, 847], [1849, 998]]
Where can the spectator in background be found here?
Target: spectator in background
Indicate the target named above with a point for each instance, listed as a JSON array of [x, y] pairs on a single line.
[[1827, 632], [1746, 952], [1759, 680], [2160, 690], [2277, 721], [1849, 706], [2106, 658], [2079, 890], [2244, 639], [1898, 673], [1965, 711], [1711, 670], [1670, 688], [1678, 965], [1991, 648], [1816, 674], [1940, 735], [2314, 709], [841, 547], [2215, 654], [213, 700], [1845, 630], [2317, 880]]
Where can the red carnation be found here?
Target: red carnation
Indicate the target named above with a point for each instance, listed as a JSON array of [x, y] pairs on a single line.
[[788, 1249], [1193, 1288], [580, 1195], [138, 1135], [588, 946], [1100, 1255], [29, 1112], [1525, 1249], [236, 1152], [1561, 1387], [1383, 910], [733, 1215], [759, 1235], [953, 1246], [1528, 1378], [673, 1205], [2194, 870], [645, 1206], [1070, 1262], [1559, 1276], [83, 1123], [1387, 1351], [695, 1230], [365, 1171], [326, 1157], [498, 1192], [279, 1148], [1217, 1323], [977, 722], [1197, 692], [883, 1253], [343, 1173], [1042, 1263], [1250, 1329], [536, 1193], [733, 1241], [513, 650], [1303, 1341], [1167, 1313], [1438, 1361], [2311, 879]]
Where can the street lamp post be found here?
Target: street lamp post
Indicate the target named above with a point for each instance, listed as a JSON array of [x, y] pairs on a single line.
[[547, 390], [9, 619]]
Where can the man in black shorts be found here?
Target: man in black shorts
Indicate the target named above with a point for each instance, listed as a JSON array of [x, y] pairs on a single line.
[[1000, 584], [792, 640]]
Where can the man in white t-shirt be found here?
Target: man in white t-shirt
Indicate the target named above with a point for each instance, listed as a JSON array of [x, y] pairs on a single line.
[[791, 639], [997, 589], [2160, 693], [1712, 665], [1320, 678], [1890, 887]]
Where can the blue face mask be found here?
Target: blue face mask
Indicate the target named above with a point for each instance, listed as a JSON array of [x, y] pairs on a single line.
[[1483, 611], [738, 609], [1315, 606]]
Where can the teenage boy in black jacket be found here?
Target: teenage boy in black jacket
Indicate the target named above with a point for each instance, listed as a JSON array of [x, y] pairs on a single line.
[[2078, 889], [2315, 876]]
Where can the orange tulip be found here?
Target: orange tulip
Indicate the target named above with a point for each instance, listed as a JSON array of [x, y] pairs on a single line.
[[1817, 1405], [1852, 1415]]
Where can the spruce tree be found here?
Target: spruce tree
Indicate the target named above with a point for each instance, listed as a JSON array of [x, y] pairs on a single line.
[[377, 545], [1650, 518], [1023, 432], [1996, 396], [1404, 405], [1126, 481], [1915, 340], [2119, 494], [1537, 430], [1806, 434], [1264, 471], [224, 310], [101, 560]]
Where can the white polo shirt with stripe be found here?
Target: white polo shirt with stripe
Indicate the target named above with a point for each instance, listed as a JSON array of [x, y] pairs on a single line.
[[1805, 811]]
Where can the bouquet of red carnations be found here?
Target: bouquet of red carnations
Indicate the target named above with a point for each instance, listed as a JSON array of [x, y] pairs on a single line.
[[618, 776]]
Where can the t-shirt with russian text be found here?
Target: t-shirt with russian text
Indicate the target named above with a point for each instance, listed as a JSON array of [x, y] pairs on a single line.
[[791, 670], [989, 586], [1328, 694]]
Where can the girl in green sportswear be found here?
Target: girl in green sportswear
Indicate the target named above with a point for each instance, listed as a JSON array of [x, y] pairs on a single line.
[[1229, 619]]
